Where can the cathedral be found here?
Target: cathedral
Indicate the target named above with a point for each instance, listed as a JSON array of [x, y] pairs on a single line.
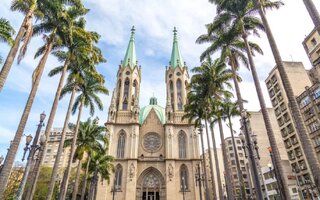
[[156, 151]]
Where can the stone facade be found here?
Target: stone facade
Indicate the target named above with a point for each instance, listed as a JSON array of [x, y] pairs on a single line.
[[156, 152]]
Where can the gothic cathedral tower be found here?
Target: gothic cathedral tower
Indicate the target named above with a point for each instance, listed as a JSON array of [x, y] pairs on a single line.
[[155, 151]]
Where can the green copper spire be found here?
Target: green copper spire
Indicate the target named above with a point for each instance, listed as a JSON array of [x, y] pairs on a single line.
[[130, 57], [176, 58]]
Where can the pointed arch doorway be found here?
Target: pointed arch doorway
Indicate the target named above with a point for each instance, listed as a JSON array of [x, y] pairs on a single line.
[[151, 185]]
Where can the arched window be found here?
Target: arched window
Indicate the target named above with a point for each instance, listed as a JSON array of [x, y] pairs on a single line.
[[121, 144], [179, 95], [118, 177], [125, 94], [183, 177], [182, 145], [118, 93], [171, 94]]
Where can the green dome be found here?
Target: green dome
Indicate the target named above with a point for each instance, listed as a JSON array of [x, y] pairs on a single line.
[[144, 112]]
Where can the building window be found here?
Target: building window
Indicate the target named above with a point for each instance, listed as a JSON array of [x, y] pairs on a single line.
[[316, 93], [304, 102], [125, 94], [118, 177], [179, 94], [121, 144], [314, 41], [298, 152], [314, 126], [290, 128], [317, 141], [184, 177], [49, 150], [182, 145]]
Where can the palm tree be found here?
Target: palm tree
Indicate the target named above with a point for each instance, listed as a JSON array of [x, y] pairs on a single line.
[[53, 22], [29, 9], [91, 137], [6, 33], [194, 113], [230, 109], [301, 130], [313, 12], [100, 167], [239, 17], [87, 97]]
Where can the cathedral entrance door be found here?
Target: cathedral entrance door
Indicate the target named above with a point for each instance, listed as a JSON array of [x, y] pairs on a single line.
[[151, 187]]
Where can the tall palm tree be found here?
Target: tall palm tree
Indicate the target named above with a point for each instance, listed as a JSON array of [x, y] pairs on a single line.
[[239, 17], [301, 130], [6, 33], [100, 167], [52, 23], [313, 12], [88, 96], [29, 9], [194, 113], [231, 109], [91, 137]]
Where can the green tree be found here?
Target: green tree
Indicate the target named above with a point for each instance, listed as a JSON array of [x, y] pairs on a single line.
[[6, 33], [101, 166], [239, 17], [91, 137], [294, 107], [54, 22]]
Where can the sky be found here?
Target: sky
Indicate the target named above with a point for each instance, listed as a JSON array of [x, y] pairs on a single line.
[[154, 21]]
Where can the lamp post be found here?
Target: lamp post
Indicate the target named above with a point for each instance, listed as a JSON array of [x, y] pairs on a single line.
[[32, 150], [183, 188], [247, 143], [204, 164], [276, 173], [113, 190], [199, 178]]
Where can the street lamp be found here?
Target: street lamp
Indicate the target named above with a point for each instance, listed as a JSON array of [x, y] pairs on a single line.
[[183, 188], [275, 171], [199, 179], [32, 151], [113, 189], [247, 143], [204, 164]]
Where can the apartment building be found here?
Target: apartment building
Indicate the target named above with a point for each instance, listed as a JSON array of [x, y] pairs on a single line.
[[243, 165], [52, 148], [299, 79]]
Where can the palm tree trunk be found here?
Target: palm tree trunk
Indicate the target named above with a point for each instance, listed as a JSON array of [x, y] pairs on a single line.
[[60, 148], [242, 188], [14, 49], [84, 187], [5, 172], [64, 183], [211, 164], [207, 197], [301, 130], [313, 12], [282, 179], [225, 162], [252, 162], [216, 160], [92, 185], [76, 184], [54, 107]]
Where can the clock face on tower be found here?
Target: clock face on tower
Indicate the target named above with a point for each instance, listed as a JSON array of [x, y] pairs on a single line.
[[151, 142]]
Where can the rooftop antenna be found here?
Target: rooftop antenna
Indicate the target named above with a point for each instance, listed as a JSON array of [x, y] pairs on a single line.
[[291, 57]]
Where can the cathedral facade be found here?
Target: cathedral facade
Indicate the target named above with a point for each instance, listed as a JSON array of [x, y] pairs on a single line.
[[156, 151]]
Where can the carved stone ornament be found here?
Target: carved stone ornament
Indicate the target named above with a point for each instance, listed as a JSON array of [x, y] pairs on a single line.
[[132, 170], [170, 171]]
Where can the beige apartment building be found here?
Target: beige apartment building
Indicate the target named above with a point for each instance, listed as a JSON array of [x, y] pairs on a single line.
[[309, 103], [299, 79], [221, 169], [311, 45], [233, 167], [52, 148]]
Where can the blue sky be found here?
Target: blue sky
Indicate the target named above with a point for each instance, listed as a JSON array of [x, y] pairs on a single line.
[[154, 21]]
